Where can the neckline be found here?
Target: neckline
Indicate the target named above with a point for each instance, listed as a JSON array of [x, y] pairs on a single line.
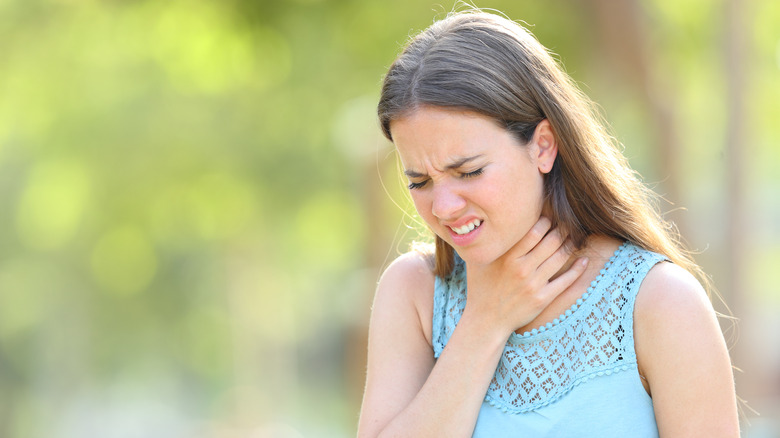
[[523, 338]]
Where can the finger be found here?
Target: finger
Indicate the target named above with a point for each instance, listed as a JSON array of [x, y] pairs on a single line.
[[568, 278], [555, 261], [550, 245], [531, 238]]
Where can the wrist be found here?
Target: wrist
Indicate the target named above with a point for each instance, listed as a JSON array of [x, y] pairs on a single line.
[[485, 329]]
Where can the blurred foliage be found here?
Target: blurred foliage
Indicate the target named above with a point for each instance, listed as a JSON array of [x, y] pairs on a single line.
[[192, 214]]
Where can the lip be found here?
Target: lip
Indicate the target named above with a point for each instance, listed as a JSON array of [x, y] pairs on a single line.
[[463, 221], [464, 239]]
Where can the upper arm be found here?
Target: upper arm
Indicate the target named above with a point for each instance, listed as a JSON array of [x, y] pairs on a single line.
[[683, 355], [400, 355]]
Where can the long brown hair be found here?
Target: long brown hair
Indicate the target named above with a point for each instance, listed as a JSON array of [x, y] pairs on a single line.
[[490, 65]]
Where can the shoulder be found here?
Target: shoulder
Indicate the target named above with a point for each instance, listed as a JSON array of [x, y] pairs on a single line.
[[400, 355], [672, 308], [675, 326], [406, 287], [683, 356], [409, 278], [409, 269], [671, 295]]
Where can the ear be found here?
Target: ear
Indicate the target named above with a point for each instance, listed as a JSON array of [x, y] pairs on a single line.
[[546, 146]]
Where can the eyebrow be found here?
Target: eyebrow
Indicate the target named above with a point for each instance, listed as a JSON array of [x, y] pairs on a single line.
[[459, 163]]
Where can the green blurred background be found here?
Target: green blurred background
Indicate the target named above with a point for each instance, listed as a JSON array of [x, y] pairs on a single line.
[[196, 201]]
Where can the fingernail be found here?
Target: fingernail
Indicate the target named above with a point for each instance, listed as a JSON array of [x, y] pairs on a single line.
[[584, 262]]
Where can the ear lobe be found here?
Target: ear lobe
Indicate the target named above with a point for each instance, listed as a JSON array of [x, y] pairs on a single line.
[[544, 137]]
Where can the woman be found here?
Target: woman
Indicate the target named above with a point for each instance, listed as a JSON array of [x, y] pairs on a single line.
[[557, 302]]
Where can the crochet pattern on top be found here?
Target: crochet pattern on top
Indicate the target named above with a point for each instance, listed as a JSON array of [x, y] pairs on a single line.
[[593, 338]]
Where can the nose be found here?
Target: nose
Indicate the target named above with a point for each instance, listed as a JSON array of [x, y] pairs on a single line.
[[447, 203]]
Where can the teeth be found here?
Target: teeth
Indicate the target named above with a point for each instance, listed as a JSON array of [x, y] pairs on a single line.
[[468, 227]]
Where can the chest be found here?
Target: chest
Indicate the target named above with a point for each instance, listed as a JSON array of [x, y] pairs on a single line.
[[612, 405]]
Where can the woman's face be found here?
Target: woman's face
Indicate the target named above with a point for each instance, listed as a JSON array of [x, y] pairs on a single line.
[[475, 185]]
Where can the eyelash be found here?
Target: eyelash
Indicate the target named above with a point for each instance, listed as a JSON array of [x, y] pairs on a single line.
[[419, 185], [414, 185], [477, 172]]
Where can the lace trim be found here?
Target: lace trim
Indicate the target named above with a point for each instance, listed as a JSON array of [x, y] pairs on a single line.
[[592, 338], [449, 301], [516, 338], [503, 406]]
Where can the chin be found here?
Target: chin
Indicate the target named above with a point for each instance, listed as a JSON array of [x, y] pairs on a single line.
[[477, 257]]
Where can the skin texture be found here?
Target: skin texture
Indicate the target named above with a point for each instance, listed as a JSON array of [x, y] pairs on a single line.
[[507, 195], [520, 275], [683, 355]]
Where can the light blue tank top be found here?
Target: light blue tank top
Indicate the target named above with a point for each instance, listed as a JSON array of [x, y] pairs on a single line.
[[575, 377]]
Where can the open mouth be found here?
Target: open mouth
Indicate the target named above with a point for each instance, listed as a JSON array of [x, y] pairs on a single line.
[[469, 227]]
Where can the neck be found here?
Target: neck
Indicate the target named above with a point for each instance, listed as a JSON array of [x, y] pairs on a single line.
[[598, 249]]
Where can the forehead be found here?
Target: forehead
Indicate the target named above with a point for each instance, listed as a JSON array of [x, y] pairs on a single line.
[[439, 135]]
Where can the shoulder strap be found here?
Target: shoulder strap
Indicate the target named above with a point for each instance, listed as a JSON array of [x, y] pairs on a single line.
[[633, 273], [449, 301]]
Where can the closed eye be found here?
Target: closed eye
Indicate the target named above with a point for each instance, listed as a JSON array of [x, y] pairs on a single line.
[[477, 172], [417, 185], [421, 184]]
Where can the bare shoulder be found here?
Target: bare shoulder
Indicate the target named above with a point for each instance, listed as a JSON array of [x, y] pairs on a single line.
[[406, 284], [671, 311], [683, 356], [400, 356], [671, 295], [409, 269]]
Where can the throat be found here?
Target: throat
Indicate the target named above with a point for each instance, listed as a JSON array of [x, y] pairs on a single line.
[[555, 309], [598, 250]]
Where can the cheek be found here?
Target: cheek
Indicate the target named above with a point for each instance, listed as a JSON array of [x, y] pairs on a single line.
[[422, 204], [520, 194]]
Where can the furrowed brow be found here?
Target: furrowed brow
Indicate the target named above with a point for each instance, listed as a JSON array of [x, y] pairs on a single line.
[[413, 174], [459, 163]]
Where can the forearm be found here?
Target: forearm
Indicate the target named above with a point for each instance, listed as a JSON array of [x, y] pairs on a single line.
[[449, 402], [407, 394]]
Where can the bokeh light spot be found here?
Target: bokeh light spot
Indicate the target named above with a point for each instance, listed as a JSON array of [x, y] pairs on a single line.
[[52, 204], [124, 261], [24, 285], [330, 227]]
